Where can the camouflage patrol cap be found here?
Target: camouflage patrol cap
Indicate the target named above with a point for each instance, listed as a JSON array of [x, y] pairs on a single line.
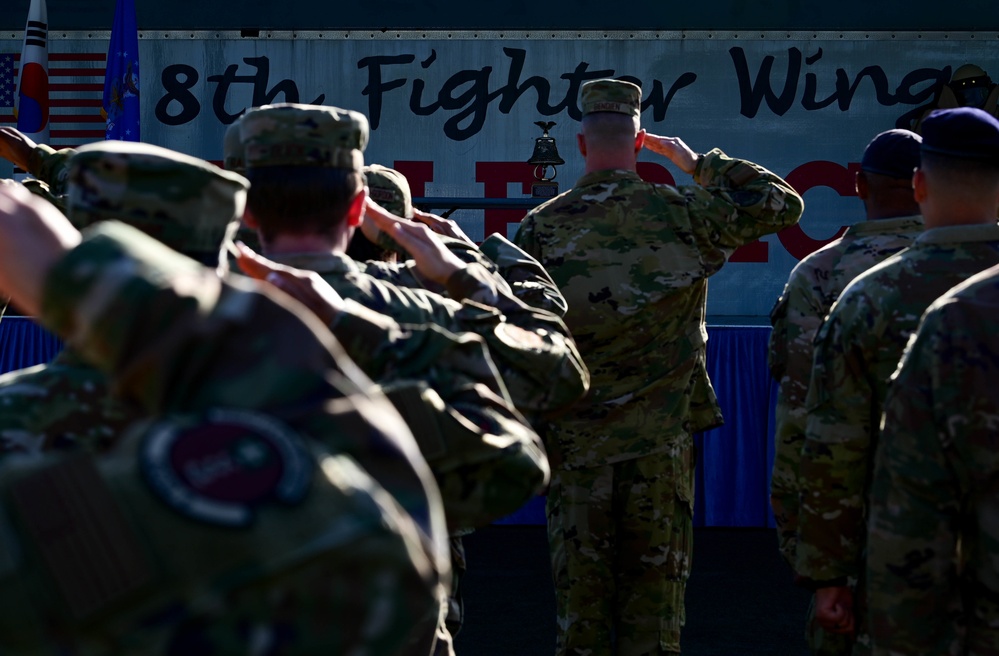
[[233, 157], [390, 189], [615, 96], [290, 134], [184, 202]]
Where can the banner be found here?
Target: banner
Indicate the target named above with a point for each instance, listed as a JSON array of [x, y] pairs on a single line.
[[121, 79], [456, 111], [31, 102]]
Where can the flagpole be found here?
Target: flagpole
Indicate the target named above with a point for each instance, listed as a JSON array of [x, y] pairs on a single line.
[[31, 101]]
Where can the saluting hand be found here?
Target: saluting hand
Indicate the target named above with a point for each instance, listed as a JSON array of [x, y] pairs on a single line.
[[432, 258], [440, 225], [15, 147], [306, 287], [674, 149]]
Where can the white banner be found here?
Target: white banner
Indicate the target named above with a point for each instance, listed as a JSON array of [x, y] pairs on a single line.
[[456, 111]]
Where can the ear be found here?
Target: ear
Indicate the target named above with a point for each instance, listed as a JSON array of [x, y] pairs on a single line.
[[581, 144], [639, 141], [862, 186], [919, 186], [356, 209]]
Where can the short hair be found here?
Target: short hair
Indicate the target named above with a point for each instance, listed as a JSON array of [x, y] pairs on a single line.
[[610, 130], [961, 173], [300, 200]]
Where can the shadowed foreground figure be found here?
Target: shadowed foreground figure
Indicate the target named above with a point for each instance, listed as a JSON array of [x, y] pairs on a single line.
[[244, 515], [859, 346], [933, 542]]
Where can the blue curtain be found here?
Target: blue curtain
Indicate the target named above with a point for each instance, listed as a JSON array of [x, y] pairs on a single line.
[[734, 461], [23, 343]]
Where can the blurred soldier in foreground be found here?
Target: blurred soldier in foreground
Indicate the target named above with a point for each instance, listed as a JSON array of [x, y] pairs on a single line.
[[884, 184], [933, 544], [306, 199], [632, 259], [66, 404], [859, 346], [241, 517]]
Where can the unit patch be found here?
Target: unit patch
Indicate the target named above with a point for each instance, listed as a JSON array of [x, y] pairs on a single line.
[[218, 468]]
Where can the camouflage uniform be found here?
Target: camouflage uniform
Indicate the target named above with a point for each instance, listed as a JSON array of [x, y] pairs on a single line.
[[856, 350], [812, 288], [886, 170], [532, 394], [277, 135], [61, 405], [231, 560], [479, 448], [632, 260], [68, 403], [933, 545]]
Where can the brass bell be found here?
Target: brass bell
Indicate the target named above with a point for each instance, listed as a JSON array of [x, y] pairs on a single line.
[[545, 153]]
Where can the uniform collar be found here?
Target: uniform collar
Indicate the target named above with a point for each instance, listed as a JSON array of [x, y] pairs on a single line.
[[961, 233], [596, 177], [318, 262], [884, 226]]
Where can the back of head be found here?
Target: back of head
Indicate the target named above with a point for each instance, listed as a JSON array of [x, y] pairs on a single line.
[[960, 150], [893, 154], [887, 165], [187, 203], [611, 112], [958, 178], [390, 189], [304, 164]]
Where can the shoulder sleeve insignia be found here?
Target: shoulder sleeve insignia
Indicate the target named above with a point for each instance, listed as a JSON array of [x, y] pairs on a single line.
[[218, 467]]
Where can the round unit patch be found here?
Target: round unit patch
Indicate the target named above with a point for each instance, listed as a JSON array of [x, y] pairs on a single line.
[[219, 467]]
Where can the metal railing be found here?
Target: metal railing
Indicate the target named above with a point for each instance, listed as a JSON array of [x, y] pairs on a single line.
[[452, 205]]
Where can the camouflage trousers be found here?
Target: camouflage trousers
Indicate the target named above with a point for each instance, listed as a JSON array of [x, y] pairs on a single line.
[[621, 537]]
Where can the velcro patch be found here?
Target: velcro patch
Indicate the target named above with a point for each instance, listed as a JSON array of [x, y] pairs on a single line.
[[80, 533]]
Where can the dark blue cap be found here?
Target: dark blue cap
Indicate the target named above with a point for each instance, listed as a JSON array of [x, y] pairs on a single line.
[[894, 153], [963, 133]]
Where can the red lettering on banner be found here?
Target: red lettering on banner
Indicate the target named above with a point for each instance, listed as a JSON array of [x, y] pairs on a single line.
[[494, 177], [417, 174], [841, 179]]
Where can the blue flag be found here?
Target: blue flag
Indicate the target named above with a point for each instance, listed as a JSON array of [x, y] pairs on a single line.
[[121, 79]]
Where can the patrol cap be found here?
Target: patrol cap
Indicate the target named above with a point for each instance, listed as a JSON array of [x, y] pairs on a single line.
[[290, 134], [962, 133], [390, 189], [184, 202], [233, 158], [894, 153], [615, 96]]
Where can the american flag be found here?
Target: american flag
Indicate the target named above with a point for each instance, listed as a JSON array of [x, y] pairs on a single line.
[[76, 91]]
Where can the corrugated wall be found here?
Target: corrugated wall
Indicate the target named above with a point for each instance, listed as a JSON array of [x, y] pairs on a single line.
[[883, 15]]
